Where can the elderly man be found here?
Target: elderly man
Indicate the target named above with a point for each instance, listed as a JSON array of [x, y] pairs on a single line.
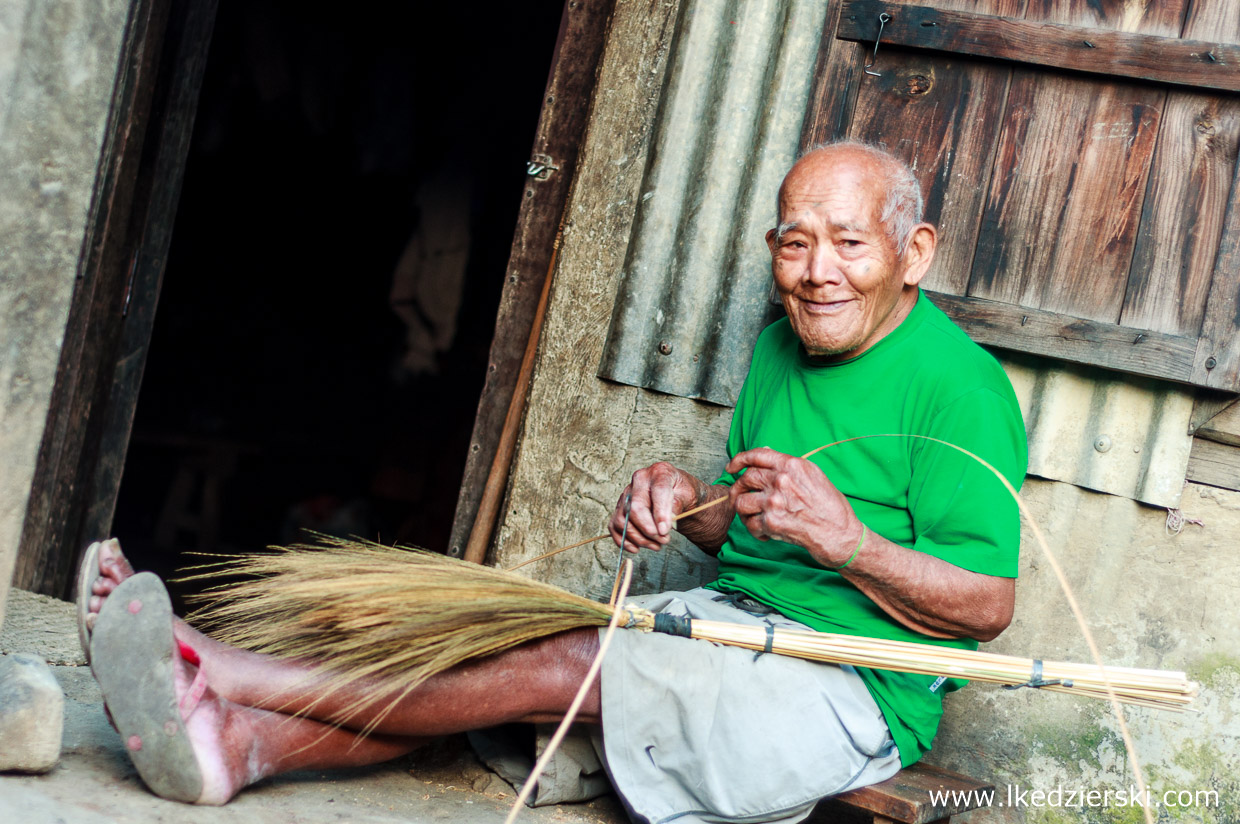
[[891, 536]]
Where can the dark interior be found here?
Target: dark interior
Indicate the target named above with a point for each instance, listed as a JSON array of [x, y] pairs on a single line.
[[288, 386]]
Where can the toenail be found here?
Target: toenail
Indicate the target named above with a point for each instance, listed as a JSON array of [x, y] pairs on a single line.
[[135, 606], [134, 743], [170, 727]]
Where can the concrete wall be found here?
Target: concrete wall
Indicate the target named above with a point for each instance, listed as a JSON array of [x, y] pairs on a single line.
[[1154, 599], [58, 65]]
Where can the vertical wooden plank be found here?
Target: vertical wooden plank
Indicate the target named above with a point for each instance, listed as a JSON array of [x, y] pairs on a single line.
[[1191, 175], [571, 465], [1182, 220], [61, 490], [942, 117], [1061, 216], [1218, 349], [189, 39], [560, 128], [837, 76]]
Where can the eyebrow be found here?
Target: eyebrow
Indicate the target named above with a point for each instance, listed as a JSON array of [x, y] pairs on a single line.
[[792, 225], [785, 228]]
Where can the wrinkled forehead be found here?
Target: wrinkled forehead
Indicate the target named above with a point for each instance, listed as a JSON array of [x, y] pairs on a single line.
[[842, 185]]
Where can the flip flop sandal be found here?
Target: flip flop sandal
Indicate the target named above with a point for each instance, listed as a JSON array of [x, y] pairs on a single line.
[[133, 654], [88, 571]]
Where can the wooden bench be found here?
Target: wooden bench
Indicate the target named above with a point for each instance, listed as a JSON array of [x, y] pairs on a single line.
[[905, 797]]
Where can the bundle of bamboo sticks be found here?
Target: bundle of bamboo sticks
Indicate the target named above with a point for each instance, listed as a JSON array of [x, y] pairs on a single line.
[[1148, 688], [369, 611]]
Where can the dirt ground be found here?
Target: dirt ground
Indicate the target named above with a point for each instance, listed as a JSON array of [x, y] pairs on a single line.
[[95, 783]]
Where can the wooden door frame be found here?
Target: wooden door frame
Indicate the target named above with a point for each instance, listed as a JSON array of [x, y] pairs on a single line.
[[112, 311], [561, 127]]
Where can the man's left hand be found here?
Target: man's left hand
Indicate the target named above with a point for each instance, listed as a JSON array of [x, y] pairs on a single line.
[[791, 500]]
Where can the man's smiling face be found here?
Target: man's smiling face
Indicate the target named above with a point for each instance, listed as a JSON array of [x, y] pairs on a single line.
[[843, 283]]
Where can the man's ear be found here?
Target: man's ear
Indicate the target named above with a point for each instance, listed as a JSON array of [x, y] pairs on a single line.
[[920, 253], [770, 239]]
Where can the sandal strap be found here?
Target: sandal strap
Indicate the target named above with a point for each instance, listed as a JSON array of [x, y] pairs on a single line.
[[197, 687], [188, 653]]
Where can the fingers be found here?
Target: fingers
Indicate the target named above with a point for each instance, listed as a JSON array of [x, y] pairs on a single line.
[[752, 499], [617, 526], [776, 495], [641, 532], [663, 510], [762, 457], [652, 508]]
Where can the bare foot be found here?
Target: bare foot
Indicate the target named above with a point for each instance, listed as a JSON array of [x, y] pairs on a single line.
[[226, 738], [114, 568]]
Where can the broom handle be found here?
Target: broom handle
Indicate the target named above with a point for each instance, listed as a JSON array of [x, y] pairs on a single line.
[[497, 478]]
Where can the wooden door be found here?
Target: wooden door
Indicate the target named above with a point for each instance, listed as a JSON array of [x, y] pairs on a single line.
[[1079, 159]]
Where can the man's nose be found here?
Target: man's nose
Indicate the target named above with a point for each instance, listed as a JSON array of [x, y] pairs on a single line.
[[824, 267]]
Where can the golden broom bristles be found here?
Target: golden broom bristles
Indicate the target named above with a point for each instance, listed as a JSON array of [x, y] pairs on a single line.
[[397, 612], [363, 611], [360, 611]]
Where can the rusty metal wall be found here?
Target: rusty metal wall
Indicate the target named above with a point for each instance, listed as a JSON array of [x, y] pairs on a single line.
[[693, 293], [1102, 430]]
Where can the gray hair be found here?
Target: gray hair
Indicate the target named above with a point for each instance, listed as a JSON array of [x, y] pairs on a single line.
[[903, 206]]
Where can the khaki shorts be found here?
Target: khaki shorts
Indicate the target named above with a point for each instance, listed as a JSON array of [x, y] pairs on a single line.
[[693, 731]]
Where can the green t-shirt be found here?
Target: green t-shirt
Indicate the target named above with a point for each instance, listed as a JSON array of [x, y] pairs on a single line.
[[927, 378]]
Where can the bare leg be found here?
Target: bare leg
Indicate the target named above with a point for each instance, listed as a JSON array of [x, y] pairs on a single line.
[[535, 682], [237, 745], [242, 730]]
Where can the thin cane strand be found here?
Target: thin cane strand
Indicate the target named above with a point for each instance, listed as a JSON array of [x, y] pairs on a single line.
[[578, 699], [677, 518], [1077, 613]]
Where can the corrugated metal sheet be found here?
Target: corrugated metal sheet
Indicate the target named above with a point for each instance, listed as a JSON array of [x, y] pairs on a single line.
[[693, 294], [1104, 431]]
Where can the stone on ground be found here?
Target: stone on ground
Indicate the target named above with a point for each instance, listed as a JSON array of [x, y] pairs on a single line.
[[32, 714]]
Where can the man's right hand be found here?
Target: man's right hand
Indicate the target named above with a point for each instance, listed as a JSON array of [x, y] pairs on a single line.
[[660, 493]]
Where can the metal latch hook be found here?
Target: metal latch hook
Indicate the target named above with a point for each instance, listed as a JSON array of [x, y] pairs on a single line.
[[882, 21], [540, 167]]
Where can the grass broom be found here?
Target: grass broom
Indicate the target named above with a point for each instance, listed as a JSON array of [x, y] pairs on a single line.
[[361, 610]]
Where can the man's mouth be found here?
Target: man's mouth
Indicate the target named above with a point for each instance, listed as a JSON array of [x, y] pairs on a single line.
[[824, 307]]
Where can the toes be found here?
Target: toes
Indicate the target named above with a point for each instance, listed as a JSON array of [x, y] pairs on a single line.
[[113, 561]]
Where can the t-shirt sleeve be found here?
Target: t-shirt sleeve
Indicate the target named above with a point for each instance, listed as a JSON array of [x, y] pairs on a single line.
[[961, 512]]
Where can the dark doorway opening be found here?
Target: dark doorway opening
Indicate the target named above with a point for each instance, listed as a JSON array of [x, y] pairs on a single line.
[[337, 259]]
